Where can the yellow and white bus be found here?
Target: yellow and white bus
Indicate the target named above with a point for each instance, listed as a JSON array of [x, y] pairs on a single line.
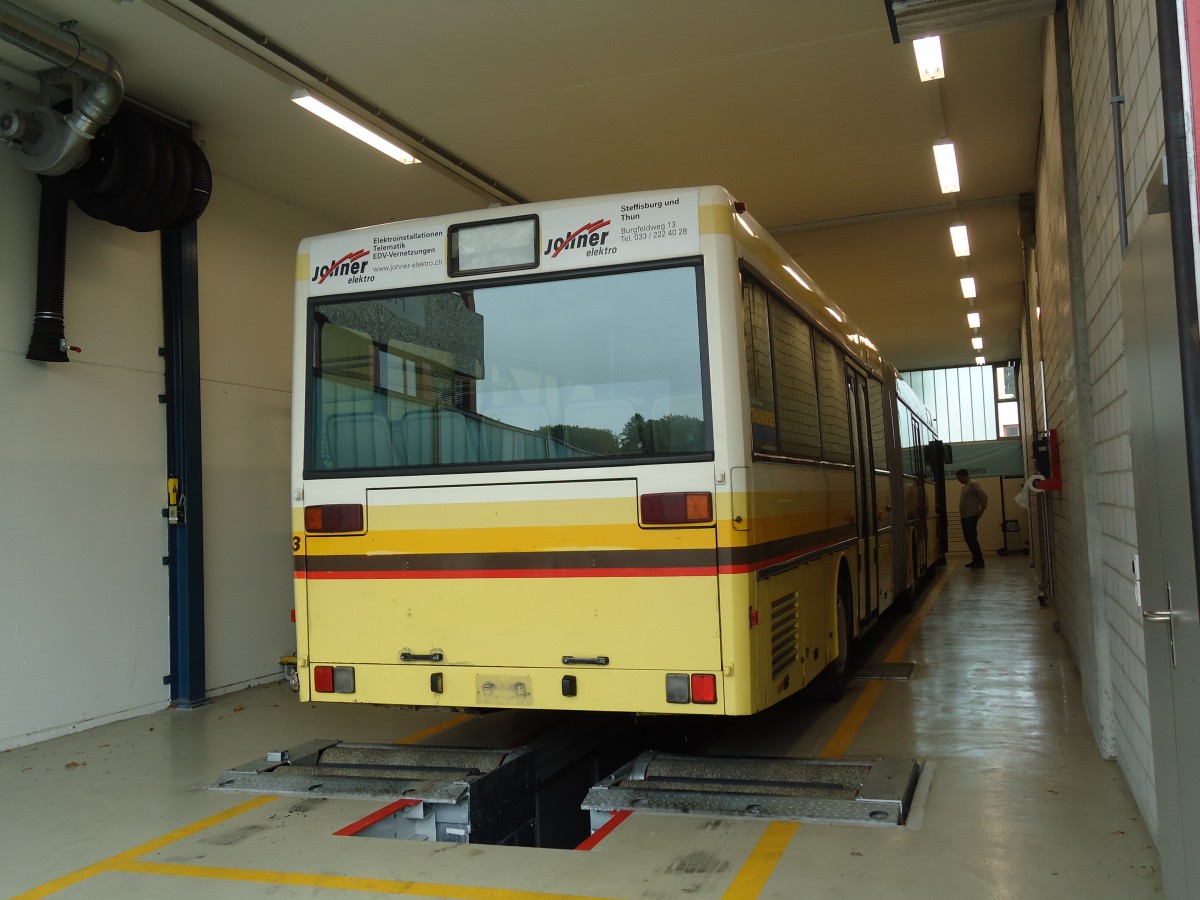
[[615, 453]]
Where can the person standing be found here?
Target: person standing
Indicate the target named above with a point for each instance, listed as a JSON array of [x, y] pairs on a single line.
[[971, 504]]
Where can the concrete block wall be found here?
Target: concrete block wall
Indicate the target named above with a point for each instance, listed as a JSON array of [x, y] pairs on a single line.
[[1081, 336]]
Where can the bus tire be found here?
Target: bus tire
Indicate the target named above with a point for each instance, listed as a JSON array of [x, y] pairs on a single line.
[[830, 685]]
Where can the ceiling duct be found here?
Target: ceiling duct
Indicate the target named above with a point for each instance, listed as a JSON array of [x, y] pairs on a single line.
[[51, 142], [912, 19]]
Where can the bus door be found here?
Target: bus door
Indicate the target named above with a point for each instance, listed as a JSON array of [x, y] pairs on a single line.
[[920, 469], [864, 489]]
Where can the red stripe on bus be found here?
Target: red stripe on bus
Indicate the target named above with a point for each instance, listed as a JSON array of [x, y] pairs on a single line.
[[606, 829], [420, 574]]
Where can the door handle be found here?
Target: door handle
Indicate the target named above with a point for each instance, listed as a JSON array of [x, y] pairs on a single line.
[[1165, 615], [1161, 615]]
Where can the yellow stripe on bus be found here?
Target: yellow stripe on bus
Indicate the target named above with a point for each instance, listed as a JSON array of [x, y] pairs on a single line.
[[716, 219]]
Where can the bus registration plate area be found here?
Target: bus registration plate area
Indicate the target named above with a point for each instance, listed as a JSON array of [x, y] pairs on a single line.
[[504, 690]]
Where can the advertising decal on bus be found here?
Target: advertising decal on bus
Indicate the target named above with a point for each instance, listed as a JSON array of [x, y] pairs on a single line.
[[629, 228]]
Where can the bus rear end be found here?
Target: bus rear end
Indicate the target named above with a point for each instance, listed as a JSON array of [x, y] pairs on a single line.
[[504, 457]]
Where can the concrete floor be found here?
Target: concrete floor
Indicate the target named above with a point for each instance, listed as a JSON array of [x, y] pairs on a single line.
[[1013, 802]]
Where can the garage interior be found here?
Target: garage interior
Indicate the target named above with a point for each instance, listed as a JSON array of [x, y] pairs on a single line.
[[140, 662]]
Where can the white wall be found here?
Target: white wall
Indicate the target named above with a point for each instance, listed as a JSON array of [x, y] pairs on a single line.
[[83, 617], [1080, 336], [247, 279], [83, 590]]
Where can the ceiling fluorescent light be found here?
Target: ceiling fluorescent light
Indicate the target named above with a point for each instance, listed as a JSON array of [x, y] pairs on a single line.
[[977, 343], [968, 287], [947, 166], [929, 58], [973, 319], [367, 135], [958, 239], [980, 361]]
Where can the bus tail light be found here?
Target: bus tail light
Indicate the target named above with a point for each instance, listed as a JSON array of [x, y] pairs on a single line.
[[333, 518], [696, 688], [333, 679], [704, 688], [677, 509]]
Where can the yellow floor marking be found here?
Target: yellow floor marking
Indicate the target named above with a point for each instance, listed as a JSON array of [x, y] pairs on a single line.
[[844, 736], [117, 862], [342, 882], [748, 883], [417, 736], [765, 856]]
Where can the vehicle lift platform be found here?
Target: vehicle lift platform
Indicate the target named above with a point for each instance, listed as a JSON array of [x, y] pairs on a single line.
[[508, 796], [863, 792], [450, 794]]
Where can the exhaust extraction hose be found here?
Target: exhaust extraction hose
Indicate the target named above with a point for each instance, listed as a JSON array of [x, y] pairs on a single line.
[[49, 342]]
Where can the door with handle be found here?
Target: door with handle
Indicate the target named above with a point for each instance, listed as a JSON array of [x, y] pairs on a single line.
[[1166, 565]]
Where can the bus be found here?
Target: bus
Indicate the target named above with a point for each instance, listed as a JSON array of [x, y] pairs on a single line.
[[616, 453]]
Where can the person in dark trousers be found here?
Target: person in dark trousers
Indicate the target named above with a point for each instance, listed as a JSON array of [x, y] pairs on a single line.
[[971, 504]]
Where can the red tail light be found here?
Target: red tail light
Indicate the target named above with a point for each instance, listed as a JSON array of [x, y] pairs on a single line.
[[677, 509], [323, 679], [704, 688], [333, 518]]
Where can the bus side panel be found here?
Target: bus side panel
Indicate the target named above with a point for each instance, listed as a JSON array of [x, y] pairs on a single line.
[[803, 521], [300, 600]]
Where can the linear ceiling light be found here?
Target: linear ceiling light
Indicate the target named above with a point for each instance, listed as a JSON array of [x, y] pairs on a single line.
[[364, 133], [977, 343], [929, 58], [947, 166], [968, 287], [973, 319], [958, 239]]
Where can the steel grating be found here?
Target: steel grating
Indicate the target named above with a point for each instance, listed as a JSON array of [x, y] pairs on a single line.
[[869, 792]]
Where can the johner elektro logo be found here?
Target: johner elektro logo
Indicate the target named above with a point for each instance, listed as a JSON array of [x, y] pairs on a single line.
[[589, 237], [352, 265]]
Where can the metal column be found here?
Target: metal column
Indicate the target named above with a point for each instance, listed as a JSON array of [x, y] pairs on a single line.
[[185, 543]]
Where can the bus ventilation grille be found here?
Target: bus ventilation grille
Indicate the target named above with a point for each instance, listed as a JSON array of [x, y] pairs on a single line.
[[785, 634]]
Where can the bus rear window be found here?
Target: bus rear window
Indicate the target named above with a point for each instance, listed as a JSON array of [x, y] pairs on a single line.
[[587, 369]]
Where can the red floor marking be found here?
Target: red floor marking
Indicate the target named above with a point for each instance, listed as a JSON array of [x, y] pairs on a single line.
[[378, 816], [606, 829]]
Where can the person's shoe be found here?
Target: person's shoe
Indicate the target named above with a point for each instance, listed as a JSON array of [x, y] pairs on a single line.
[[974, 565]]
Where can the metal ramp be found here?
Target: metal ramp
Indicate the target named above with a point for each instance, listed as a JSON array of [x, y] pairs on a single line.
[[871, 792], [462, 795]]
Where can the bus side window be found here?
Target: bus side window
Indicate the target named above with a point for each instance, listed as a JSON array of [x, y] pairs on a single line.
[[835, 404], [757, 336]]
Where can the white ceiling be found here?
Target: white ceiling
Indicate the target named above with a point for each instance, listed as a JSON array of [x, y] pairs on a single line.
[[806, 111]]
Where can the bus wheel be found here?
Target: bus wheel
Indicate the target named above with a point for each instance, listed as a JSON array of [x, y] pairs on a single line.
[[830, 685]]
